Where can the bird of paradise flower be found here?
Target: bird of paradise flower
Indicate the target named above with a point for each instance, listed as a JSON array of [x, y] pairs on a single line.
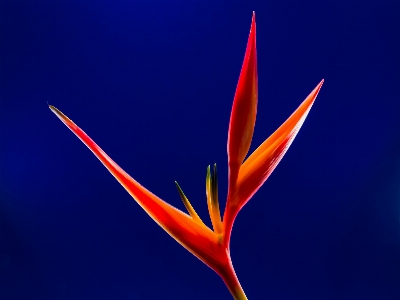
[[245, 175]]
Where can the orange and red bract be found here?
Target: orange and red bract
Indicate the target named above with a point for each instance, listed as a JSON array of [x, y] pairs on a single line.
[[245, 176]]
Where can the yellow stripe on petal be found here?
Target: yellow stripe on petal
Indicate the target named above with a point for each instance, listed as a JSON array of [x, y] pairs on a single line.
[[212, 201], [215, 203]]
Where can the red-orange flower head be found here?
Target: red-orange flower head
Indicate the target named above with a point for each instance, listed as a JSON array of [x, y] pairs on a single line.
[[245, 175]]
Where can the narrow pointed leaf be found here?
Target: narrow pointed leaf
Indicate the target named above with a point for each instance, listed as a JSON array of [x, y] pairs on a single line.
[[256, 169], [244, 110], [187, 204], [213, 209], [214, 202], [195, 237]]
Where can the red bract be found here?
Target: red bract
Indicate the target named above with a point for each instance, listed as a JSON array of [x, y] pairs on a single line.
[[245, 176]]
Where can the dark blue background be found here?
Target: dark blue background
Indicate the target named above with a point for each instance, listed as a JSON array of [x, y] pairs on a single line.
[[152, 82]]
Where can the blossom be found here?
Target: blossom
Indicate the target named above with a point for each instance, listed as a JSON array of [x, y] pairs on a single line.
[[246, 175]]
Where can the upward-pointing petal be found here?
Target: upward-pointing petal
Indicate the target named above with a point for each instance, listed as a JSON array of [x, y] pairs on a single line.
[[260, 164], [244, 109]]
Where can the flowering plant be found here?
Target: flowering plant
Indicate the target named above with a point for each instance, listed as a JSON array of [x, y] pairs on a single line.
[[246, 176]]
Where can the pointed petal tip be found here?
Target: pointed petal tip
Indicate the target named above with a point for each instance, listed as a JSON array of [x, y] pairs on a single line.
[[314, 93], [55, 110], [58, 113], [253, 21], [317, 88]]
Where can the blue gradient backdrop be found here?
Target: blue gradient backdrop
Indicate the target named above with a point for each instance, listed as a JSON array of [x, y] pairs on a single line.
[[152, 82]]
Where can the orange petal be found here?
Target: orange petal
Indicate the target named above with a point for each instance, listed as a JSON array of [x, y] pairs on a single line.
[[265, 158], [244, 109], [193, 235], [212, 199]]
